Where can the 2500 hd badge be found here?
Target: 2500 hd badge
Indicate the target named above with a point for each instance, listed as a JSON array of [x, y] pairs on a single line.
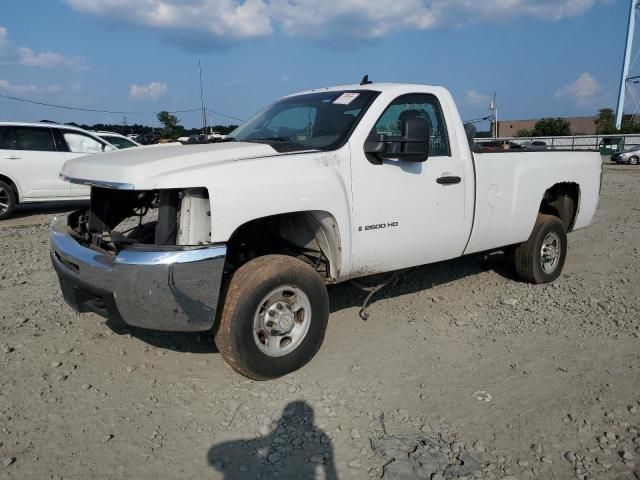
[[379, 226]]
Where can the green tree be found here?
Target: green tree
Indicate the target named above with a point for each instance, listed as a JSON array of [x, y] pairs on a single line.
[[170, 123], [552, 127], [606, 122]]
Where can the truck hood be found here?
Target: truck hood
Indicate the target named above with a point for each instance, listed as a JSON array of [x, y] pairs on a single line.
[[131, 166]]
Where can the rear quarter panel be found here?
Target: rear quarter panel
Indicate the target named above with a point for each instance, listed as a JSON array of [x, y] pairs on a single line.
[[511, 186]]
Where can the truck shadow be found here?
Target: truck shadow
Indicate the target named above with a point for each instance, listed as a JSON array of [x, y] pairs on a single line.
[[343, 296], [292, 447], [420, 279]]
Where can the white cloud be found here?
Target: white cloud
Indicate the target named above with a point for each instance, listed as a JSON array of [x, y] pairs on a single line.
[[219, 18], [150, 92], [9, 87], [28, 57], [4, 38], [582, 91], [17, 89], [474, 98], [326, 19]]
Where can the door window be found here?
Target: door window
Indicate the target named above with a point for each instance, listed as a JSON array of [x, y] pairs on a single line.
[[7, 141], [416, 106], [80, 143], [27, 138]]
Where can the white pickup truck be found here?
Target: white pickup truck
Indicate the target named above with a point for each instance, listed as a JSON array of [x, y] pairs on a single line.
[[242, 237]]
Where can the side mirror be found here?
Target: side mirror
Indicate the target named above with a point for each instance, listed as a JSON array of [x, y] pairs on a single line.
[[375, 144], [416, 133], [411, 146]]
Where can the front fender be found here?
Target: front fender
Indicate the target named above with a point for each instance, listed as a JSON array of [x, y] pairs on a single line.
[[250, 189]]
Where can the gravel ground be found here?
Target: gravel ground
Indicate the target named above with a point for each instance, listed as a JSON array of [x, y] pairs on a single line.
[[460, 372]]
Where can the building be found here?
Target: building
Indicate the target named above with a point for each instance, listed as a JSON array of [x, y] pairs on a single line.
[[579, 125]]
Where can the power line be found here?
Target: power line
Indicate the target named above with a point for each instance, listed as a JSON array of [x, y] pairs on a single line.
[[225, 115], [94, 110], [68, 108]]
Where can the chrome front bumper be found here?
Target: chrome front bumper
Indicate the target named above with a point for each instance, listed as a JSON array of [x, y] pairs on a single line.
[[160, 288]]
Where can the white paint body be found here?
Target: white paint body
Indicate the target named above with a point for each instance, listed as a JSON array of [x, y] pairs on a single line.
[[494, 205]]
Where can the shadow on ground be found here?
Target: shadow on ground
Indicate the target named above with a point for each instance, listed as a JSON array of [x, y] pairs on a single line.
[[25, 210], [292, 448], [343, 296]]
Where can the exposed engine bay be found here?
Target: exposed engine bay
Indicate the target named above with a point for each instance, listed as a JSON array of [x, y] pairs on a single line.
[[119, 218]]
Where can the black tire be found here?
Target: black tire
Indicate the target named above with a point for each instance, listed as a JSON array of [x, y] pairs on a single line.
[[634, 160], [249, 286], [528, 255], [8, 198]]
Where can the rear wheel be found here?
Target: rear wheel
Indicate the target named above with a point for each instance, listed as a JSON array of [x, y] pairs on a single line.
[[7, 200], [274, 317], [634, 161], [541, 258]]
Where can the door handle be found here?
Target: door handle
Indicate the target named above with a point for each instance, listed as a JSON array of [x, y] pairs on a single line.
[[449, 180], [13, 157]]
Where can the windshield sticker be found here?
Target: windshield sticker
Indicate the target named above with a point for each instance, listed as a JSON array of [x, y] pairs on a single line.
[[346, 98]]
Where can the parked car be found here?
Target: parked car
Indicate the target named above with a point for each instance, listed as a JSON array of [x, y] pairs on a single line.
[[117, 140], [526, 145], [215, 136], [630, 156], [242, 236], [150, 138], [538, 145], [31, 156], [200, 138], [492, 146]]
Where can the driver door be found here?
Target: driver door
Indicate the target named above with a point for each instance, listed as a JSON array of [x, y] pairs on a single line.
[[404, 214]]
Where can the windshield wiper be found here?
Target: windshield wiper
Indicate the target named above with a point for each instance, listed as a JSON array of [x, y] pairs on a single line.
[[227, 139]]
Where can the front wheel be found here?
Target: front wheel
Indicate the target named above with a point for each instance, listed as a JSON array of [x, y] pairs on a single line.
[[274, 317], [634, 160], [541, 258], [7, 200]]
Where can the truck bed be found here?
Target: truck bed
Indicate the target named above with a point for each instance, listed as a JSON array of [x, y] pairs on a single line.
[[510, 186]]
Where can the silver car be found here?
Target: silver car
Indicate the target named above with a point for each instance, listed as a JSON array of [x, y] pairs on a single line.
[[630, 156]]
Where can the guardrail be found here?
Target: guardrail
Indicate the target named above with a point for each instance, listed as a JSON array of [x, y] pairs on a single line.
[[605, 143]]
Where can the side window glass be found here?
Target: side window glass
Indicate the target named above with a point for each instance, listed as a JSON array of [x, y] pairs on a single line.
[[33, 138], [79, 143], [7, 139], [416, 106], [61, 145]]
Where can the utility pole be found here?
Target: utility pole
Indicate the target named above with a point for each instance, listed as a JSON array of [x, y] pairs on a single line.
[[204, 112], [494, 116], [624, 78]]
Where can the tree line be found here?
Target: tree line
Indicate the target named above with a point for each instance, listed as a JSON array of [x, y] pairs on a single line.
[[560, 127], [171, 127]]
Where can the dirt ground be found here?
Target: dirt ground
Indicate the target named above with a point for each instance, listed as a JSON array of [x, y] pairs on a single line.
[[460, 372]]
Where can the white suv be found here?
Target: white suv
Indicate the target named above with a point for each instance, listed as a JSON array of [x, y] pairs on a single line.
[[31, 157]]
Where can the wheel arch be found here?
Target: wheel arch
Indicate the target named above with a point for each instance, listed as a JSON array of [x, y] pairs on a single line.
[[8, 180], [314, 231], [563, 201]]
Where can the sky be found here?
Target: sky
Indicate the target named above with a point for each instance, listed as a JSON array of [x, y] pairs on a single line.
[[542, 57]]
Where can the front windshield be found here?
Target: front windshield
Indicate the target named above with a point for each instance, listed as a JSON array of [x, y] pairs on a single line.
[[314, 121], [119, 142]]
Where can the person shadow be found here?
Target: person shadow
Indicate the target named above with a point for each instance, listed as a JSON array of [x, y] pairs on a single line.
[[295, 448]]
